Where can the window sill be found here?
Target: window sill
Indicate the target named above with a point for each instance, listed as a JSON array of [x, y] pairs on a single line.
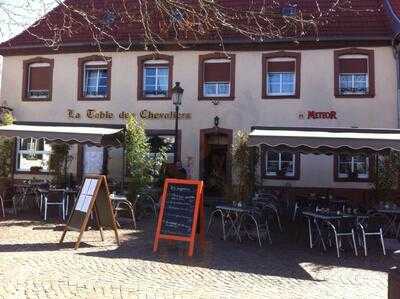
[[146, 98], [353, 180], [203, 98], [280, 97], [282, 178], [83, 98], [355, 96], [28, 99]]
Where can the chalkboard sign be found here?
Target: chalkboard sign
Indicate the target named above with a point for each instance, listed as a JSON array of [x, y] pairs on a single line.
[[93, 198], [181, 210]]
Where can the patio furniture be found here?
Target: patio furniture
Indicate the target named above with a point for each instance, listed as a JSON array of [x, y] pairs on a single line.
[[268, 202], [53, 197], [2, 206], [392, 220], [372, 226], [121, 203], [237, 220], [341, 225]]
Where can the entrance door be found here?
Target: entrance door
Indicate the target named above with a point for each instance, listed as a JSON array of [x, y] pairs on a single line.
[[93, 160], [215, 160]]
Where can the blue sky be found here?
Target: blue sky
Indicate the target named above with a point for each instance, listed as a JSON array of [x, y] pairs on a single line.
[[16, 15]]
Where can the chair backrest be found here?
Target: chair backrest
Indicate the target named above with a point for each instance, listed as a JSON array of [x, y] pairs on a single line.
[[375, 221], [55, 195]]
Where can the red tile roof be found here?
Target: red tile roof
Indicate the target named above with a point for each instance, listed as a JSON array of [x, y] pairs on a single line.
[[360, 20]]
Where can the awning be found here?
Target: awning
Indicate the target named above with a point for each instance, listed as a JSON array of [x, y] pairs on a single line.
[[99, 136], [326, 140]]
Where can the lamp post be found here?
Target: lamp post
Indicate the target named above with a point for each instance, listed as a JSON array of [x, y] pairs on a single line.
[[177, 95]]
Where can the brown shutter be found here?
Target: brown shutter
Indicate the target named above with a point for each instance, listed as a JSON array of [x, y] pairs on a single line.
[[281, 66], [353, 65], [39, 78], [217, 72]]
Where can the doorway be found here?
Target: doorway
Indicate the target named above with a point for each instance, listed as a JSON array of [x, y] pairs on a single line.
[[215, 160]]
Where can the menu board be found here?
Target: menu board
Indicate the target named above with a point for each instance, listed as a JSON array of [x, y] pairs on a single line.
[[93, 200], [179, 210], [181, 214], [86, 195]]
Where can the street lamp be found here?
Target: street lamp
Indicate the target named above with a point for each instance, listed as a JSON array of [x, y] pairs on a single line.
[[177, 95]]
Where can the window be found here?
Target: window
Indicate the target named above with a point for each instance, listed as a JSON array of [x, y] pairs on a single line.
[[281, 75], [94, 77], [216, 76], [155, 80], [167, 141], [280, 165], [352, 167], [32, 153], [155, 77], [354, 73], [38, 79], [96, 80]]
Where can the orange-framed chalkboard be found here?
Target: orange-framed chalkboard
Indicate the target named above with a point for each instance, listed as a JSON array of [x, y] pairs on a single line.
[[181, 213], [93, 199]]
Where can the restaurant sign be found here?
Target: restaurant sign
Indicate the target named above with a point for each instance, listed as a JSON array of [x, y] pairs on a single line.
[[318, 115], [144, 114]]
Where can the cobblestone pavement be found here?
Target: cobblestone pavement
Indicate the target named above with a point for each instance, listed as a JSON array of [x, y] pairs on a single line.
[[34, 265]]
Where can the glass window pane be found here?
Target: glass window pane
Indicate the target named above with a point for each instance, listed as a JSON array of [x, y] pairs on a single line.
[[150, 80], [286, 156], [345, 158], [102, 90], [274, 88], [272, 167], [210, 88], [150, 71], [273, 156], [223, 88], [163, 81], [288, 88], [163, 72], [274, 77], [288, 78], [150, 90]]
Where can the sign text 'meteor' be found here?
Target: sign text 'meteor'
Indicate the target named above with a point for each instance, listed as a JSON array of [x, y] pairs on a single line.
[[144, 114]]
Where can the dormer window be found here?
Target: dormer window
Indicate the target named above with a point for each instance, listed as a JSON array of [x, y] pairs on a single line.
[[155, 77], [94, 77], [38, 79], [216, 77], [354, 73]]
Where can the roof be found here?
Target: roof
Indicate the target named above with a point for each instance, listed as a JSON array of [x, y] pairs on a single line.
[[62, 27], [326, 140], [93, 135]]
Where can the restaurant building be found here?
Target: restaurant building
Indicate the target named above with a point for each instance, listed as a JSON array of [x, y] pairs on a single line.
[[346, 78]]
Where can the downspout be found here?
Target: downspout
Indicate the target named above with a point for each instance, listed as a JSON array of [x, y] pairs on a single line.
[[396, 53]]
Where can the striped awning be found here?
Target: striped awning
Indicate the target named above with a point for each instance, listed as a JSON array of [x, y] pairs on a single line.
[[326, 140], [100, 136]]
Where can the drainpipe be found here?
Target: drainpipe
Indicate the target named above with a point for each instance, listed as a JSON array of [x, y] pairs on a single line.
[[396, 53]]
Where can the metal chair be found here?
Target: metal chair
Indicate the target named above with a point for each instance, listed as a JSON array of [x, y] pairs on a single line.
[[53, 198], [269, 202], [343, 228], [121, 203], [372, 226]]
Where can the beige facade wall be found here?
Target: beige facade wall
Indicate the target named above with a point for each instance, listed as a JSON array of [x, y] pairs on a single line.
[[248, 109]]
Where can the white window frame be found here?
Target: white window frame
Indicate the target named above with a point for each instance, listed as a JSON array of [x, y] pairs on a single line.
[[157, 66], [99, 66], [31, 151], [217, 94], [353, 81], [273, 173], [281, 93], [29, 91], [353, 164]]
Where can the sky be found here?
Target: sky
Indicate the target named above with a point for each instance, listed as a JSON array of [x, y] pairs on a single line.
[[16, 15]]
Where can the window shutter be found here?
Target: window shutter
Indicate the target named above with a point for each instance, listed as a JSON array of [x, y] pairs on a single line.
[[353, 65], [217, 72], [281, 66], [39, 78]]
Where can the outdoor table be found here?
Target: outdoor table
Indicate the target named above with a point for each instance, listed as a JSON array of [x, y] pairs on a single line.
[[235, 216], [395, 217], [317, 217]]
